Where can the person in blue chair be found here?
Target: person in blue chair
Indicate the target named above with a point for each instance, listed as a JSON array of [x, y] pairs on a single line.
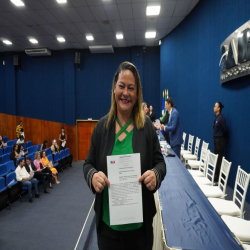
[[27, 179], [173, 127], [30, 167]]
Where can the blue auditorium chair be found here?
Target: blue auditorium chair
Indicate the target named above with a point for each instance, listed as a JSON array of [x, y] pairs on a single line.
[[48, 151], [24, 145], [29, 144], [5, 158], [13, 186], [31, 156], [1, 151], [69, 157], [32, 149], [3, 170], [10, 143], [7, 149], [38, 147], [10, 166], [3, 193], [57, 164], [5, 138]]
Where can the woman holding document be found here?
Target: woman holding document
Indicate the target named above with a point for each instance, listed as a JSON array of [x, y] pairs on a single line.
[[125, 131]]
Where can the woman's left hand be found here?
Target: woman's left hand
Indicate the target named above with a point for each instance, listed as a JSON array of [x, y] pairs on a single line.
[[149, 179]]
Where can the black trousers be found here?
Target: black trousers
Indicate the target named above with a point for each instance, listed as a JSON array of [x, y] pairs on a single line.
[[48, 174], [219, 146], [41, 177], [109, 239]]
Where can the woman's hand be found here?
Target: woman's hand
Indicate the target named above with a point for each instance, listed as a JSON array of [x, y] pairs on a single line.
[[99, 181], [157, 127], [149, 179]]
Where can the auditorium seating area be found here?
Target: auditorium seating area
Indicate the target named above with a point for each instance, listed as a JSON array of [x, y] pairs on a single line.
[[10, 188]]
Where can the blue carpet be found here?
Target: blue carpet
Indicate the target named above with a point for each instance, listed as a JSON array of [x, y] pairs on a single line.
[[54, 221]]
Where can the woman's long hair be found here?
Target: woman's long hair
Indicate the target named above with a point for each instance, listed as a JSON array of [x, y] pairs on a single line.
[[137, 113]]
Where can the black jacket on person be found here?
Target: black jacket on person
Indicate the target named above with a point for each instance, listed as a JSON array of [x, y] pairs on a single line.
[[165, 122], [145, 142], [152, 116], [32, 166], [13, 157]]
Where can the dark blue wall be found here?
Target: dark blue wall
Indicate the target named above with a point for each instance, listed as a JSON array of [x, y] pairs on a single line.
[[94, 79], [189, 62], [53, 88]]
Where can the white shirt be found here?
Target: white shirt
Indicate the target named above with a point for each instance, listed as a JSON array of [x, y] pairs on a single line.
[[19, 141], [21, 173]]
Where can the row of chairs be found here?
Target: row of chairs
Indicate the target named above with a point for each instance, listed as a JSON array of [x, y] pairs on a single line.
[[232, 212], [11, 189], [32, 149], [7, 150]]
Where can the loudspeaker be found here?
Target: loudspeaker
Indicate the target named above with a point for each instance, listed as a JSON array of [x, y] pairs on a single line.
[[16, 61], [77, 58]]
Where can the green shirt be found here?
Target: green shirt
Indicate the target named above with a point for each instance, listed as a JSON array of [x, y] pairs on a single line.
[[120, 148]]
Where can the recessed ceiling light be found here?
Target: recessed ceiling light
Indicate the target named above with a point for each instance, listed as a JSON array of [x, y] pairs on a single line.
[[7, 42], [61, 39], [17, 2], [153, 10], [90, 38], [150, 34], [61, 1], [33, 40], [119, 36]]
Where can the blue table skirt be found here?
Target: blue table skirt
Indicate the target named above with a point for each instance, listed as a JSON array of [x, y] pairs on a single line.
[[189, 220]]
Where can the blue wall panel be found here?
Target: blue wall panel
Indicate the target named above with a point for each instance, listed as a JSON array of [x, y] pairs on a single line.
[[55, 89], [69, 88], [2, 84], [10, 85], [94, 79], [151, 76], [189, 60], [40, 87]]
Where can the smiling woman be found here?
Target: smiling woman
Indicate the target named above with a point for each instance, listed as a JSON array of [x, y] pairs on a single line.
[[125, 130]]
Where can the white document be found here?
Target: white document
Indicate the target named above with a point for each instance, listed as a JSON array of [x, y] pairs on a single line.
[[63, 143], [157, 122], [125, 193]]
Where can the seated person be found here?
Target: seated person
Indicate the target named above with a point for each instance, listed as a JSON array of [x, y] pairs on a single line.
[[30, 167], [26, 179], [20, 140], [44, 145], [54, 148], [39, 166], [45, 162], [14, 154], [21, 152], [2, 143]]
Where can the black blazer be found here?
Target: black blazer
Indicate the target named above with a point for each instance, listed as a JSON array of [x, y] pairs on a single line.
[[32, 166], [152, 116], [145, 142], [165, 122]]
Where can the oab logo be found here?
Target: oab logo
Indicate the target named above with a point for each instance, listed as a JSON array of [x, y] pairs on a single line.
[[112, 162]]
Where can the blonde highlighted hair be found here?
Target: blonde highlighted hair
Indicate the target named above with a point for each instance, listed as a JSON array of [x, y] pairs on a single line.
[[137, 115]]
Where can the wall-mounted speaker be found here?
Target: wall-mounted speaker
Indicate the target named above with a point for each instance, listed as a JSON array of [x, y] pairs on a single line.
[[77, 58], [16, 60]]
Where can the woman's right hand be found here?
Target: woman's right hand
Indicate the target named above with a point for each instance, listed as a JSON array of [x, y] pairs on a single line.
[[99, 181]]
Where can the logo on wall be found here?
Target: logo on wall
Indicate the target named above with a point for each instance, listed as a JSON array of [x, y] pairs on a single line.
[[235, 54]]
